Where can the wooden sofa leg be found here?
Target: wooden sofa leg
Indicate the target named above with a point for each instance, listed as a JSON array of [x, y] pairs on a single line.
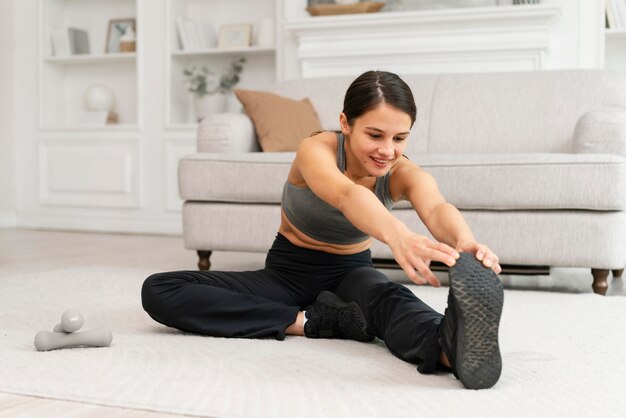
[[600, 282], [617, 273], [203, 260]]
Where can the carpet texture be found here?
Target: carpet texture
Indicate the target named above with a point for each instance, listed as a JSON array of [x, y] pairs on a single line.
[[563, 355]]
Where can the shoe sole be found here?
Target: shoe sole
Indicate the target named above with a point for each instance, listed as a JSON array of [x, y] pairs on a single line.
[[478, 295], [350, 319]]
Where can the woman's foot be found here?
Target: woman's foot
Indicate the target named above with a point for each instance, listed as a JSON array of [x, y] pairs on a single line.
[[469, 331], [331, 317]]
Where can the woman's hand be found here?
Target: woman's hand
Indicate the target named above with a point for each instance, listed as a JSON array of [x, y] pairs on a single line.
[[482, 253], [414, 252]]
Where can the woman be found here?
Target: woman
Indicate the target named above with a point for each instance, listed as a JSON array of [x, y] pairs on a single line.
[[319, 280]]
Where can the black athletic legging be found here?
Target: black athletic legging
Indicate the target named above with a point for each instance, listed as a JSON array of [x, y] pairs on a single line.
[[264, 303]]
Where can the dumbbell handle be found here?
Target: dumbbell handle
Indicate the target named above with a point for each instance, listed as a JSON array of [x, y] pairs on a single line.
[[99, 337]]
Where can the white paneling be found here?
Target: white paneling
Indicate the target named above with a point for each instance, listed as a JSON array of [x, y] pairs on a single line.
[[90, 172], [175, 149]]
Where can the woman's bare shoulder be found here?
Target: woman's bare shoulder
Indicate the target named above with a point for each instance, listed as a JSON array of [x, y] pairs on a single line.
[[406, 176], [327, 138], [403, 165], [312, 152]]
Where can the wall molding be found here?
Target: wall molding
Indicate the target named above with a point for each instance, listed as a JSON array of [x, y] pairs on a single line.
[[79, 220]]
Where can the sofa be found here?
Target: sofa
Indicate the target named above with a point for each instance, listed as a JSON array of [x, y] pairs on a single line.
[[533, 160]]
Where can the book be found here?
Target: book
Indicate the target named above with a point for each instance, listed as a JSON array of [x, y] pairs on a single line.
[[195, 34], [206, 33], [60, 43], [619, 9], [79, 41], [90, 117], [97, 118], [183, 39], [69, 41], [192, 34]]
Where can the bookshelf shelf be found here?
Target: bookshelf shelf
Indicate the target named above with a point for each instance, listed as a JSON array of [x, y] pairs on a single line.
[[616, 33], [92, 58], [103, 128], [224, 51]]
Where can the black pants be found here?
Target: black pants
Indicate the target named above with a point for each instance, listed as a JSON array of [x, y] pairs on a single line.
[[263, 303]]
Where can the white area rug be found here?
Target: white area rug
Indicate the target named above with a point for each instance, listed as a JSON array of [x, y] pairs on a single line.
[[564, 355]]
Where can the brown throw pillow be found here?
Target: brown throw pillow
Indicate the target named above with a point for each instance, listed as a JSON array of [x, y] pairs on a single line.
[[280, 123]]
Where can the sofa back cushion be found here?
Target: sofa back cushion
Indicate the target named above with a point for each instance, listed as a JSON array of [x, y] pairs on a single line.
[[517, 112], [484, 113]]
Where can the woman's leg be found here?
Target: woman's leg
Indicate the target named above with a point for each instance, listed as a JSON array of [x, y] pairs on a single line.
[[249, 304], [409, 327]]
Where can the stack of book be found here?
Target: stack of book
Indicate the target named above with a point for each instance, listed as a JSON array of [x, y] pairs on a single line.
[[69, 41], [195, 35], [616, 14], [97, 118]]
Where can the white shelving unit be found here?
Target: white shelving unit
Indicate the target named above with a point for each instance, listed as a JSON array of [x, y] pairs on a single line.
[[82, 166], [63, 80], [93, 58], [260, 69]]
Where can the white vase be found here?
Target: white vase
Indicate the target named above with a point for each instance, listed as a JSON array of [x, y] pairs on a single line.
[[209, 104], [99, 98]]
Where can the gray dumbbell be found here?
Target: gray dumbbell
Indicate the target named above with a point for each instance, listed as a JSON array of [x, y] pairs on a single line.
[[71, 321], [99, 337]]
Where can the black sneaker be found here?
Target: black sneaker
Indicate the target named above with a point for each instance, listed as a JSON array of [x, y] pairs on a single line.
[[331, 317], [469, 331]]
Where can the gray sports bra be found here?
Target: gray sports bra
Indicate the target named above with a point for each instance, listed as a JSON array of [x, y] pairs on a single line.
[[321, 221]]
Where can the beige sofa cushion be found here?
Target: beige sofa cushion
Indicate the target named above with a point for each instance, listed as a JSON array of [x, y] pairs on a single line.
[[280, 123], [469, 181], [552, 238], [601, 131]]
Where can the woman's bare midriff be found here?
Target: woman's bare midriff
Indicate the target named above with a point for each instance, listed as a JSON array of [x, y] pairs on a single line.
[[300, 239]]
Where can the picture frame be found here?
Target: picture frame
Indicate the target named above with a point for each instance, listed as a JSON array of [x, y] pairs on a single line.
[[235, 36], [116, 29]]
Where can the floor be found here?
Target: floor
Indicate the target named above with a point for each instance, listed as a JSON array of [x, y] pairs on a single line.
[[25, 251]]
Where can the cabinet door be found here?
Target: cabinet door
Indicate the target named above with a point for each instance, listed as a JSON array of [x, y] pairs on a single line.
[[89, 171]]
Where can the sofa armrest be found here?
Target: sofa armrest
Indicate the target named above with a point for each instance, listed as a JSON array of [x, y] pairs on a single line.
[[601, 131], [227, 133]]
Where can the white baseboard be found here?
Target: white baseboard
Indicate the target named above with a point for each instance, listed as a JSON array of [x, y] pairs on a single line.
[[133, 224], [8, 218]]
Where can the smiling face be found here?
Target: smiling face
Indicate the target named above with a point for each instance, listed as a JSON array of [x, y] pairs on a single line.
[[375, 141]]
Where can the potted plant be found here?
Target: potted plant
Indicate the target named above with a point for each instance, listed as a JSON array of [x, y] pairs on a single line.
[[210, 91]]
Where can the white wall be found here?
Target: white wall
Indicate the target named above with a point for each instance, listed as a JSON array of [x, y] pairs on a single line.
[[7, 113], [579, 35], [575, 40]]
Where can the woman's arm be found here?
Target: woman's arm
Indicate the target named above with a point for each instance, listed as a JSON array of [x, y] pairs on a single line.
[[316, 163], [443, 220]]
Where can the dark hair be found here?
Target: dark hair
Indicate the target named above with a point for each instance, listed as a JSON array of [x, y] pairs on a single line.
[[375, 87]]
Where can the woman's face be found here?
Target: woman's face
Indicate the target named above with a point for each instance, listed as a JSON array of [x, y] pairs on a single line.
[[376, 140]]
